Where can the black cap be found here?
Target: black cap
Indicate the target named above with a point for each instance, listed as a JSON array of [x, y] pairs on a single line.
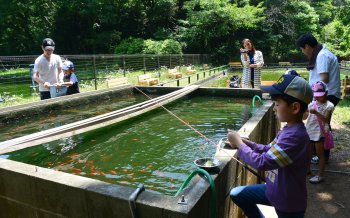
[[48, 42]]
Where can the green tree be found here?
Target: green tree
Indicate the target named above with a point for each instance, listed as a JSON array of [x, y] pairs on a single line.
[[324, 9], [130, 46], [211, 26], [336, 34], [286, 21], [24, 24]]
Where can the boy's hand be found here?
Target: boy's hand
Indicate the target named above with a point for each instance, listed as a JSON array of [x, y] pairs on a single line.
[[234, 139]]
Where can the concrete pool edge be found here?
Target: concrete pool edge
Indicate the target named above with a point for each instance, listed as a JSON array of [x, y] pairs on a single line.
[[99, 199]]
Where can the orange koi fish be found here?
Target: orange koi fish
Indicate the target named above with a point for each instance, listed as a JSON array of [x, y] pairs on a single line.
[[113, 172], [75, 169]]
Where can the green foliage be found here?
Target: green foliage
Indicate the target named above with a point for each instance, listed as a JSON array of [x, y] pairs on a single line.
[[337, 38], [287, 20], [336, 34], [211, 25], [170, 46], [151, 47], [140, 46], [214, 27], [325, 10], [130, 46]]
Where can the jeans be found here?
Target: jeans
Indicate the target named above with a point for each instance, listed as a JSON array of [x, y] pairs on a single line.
[[247, 197], [45, 95]]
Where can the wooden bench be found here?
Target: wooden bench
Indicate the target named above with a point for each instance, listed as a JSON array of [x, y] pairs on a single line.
[[147, 80], [235, 64], [174, 74], [116, 82], [190, 70], [345, 87], [284, 64]]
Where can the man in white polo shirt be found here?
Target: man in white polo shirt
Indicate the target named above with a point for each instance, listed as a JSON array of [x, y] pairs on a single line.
[[323, 66], [47, 69]]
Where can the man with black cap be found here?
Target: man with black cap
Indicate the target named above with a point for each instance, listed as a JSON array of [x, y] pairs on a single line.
[[47, 69]]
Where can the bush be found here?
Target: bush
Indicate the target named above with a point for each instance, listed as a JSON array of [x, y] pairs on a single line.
[[170, 46], [149, 46], [130, 46]]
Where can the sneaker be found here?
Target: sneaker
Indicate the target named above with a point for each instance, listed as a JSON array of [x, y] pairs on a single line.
[[316, 179], [314, 160]]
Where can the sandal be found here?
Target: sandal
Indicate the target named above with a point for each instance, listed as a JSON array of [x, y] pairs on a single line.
[[316, 179], [314, 160]]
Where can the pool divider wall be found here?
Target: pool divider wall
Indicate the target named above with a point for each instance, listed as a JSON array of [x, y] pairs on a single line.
[[30, 191], [23, 111]]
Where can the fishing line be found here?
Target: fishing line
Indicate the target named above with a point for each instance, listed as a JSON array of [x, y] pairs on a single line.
[[206, 138]]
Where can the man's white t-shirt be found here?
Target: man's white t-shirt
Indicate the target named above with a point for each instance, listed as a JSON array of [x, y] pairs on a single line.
[[48, 70], [327, 62]]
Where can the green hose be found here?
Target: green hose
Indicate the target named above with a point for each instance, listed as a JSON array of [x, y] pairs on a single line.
[[212, 185], [258, 97]]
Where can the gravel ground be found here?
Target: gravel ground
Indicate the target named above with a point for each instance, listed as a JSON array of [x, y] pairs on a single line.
[[331, 198]]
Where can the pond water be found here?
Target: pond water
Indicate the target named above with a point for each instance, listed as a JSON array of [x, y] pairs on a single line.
[[58, 118], [154, 149]]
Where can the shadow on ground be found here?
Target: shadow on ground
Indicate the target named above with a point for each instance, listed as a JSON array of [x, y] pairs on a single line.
[[332, 197]]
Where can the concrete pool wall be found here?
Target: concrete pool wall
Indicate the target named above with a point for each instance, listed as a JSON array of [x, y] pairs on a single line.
[[31, 191]]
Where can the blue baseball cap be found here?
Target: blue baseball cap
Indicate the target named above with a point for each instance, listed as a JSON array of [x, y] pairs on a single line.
[[67, 65], [291, 85]]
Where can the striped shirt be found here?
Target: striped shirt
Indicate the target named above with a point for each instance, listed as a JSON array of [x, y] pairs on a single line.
[[286, 161]]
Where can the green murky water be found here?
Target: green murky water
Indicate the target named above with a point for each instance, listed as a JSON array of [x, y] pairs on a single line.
[[155, 149]]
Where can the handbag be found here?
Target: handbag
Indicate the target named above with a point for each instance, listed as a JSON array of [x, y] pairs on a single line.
[[328, 136]]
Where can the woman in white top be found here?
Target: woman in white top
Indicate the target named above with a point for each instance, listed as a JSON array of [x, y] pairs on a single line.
[[252, 61]]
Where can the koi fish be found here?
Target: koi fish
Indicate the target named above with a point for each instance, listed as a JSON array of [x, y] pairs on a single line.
[[113, 172], [75, 169]]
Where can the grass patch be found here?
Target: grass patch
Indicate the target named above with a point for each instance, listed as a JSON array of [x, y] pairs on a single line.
[[341, 113]]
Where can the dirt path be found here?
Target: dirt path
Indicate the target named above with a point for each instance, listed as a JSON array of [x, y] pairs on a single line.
[[332, 197]]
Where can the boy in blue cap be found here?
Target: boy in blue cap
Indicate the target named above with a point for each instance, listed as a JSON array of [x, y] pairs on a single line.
[[285, 159], [69, 78]]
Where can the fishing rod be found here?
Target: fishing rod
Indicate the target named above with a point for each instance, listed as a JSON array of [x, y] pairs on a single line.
[[206, 138]]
